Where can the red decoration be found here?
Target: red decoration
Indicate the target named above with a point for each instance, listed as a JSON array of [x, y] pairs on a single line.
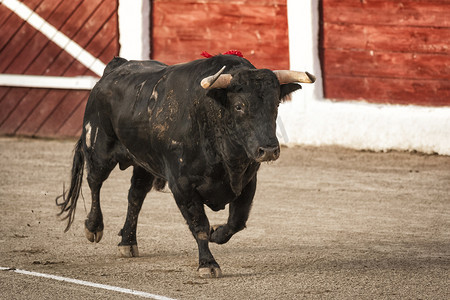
[[230, 52], [234, 52], [206, 54]]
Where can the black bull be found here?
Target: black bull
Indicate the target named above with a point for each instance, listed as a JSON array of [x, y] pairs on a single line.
[[204, 135]]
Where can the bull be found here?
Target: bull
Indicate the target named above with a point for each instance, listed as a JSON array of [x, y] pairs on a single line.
[[202, 127]]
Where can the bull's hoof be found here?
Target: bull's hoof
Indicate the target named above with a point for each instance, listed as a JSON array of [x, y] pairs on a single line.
[[210, 272], [129, 251], [93, 236], [220, 234]]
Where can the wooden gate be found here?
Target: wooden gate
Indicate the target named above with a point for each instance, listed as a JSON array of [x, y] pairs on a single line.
[[52, 38], [386, 51]]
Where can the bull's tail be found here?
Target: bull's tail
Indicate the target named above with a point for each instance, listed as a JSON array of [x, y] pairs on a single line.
[[69, 198]]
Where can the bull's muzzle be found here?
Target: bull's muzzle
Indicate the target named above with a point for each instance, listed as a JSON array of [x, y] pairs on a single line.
[[268, 153]]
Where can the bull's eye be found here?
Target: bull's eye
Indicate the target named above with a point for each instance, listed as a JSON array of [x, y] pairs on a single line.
[[238, 107]]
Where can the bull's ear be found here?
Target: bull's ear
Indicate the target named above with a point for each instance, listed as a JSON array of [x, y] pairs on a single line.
[[287, 89]]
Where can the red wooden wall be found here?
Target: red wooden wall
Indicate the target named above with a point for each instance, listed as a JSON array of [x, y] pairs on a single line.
[[24, 50], [382, 51], [182, 29]]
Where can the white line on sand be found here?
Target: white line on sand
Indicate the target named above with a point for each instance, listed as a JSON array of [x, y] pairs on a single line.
[[87, 283]]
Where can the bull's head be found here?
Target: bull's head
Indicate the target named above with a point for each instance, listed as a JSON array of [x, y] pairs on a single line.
[[252, 99]]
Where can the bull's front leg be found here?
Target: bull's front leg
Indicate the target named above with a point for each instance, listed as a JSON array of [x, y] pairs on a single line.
[[239, 212], [194, 213]]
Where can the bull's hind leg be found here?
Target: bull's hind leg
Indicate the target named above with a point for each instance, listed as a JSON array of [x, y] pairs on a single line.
[[98, 172], [141, 184], [99, 152]]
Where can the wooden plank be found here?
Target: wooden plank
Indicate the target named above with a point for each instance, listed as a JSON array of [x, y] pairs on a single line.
[[110, 51], [386, 64], [77, 68], [387, 38], [181, 31], [40, 112], [23, 110], [62, 113], [75, 21], [388, 90], [52, 100], [222, 16], [8, 26], [15, 44], [35, 114], [46, 107], [3, 91], [62, 12], [45, 63], [32, 3], [239, 2], [10, 101], [218, 14], [24, 55], [107, 36], [72, 127], [41, 64], [4, 15], [426, 13], [79, 17], [95, 22], [387, 51], [63, 63]]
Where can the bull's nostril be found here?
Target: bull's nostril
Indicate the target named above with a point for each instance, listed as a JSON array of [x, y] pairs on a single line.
[[261, 152], [276, 153]]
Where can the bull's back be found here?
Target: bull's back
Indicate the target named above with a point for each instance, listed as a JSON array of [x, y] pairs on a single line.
[[125, 84], [120, 74]]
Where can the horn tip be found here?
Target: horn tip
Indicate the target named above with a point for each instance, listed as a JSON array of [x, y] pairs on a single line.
[[311, 77]]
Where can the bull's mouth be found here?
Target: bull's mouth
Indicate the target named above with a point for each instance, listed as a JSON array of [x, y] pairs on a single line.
[[267, 154]]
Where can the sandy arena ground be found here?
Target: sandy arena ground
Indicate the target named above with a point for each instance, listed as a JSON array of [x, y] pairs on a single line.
[[327, 223]]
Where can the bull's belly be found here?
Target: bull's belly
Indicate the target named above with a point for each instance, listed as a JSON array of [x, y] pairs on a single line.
[[216, 195]]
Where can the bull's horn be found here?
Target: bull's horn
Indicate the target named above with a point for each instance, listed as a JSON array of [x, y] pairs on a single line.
[[287, 76], [216, 81]]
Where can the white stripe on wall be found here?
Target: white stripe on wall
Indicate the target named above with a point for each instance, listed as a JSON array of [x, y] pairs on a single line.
[[49, 82], [134, 29], [60, 39]]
